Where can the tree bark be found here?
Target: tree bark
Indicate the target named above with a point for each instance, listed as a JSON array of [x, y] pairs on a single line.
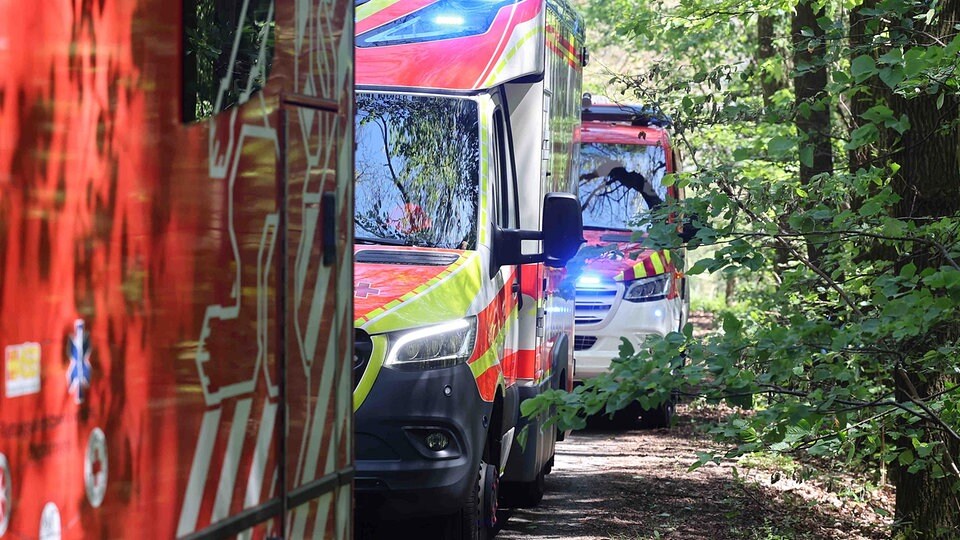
[[863, 98], [928, 183], [812, 102], [769, 82]]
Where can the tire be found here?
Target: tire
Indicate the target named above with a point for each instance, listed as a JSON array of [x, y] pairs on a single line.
[[525, 494], [627, 417], [489, 495], [659, 417], [470, 523]]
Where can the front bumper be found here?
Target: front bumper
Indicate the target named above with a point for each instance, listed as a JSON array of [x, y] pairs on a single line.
[[397, 475], [596, 345]]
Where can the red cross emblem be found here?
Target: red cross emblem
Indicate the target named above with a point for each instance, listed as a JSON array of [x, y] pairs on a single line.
[[4, 495], [365, 289]]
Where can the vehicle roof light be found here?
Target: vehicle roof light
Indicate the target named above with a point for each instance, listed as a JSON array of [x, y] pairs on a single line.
[[455, 20], [444, 19]]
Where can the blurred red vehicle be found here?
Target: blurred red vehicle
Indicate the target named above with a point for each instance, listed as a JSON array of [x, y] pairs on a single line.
[[175, 268]]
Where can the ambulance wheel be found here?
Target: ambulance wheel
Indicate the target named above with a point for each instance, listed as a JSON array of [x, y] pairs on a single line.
[[470, 523], [659, 417], [525, 494], [627, 417], [490, 491]]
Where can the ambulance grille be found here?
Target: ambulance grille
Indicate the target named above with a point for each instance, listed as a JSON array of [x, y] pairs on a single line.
[[583, 343], [593, 304], [417, 258], [362, 348]]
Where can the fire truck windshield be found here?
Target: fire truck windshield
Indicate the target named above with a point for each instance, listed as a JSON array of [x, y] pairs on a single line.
[[417, 170], [620, 182]]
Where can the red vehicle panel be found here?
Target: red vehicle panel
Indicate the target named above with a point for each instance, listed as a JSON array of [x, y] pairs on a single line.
[[148, 266]]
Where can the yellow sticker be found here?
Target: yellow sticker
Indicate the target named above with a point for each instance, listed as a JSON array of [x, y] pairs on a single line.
[[22, 367]]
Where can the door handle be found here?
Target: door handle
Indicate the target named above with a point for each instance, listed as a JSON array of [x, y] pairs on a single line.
[[328, 207]]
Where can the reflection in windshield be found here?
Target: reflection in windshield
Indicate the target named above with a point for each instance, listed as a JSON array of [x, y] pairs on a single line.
[[417, 170], [618, 182]]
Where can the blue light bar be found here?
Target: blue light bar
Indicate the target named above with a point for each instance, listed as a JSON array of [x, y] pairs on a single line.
[[445, 19]]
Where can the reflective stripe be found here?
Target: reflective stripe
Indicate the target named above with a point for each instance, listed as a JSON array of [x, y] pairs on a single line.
[[505, 59], [445, 297], [657, 263], [372, 7], [370, 373], [486, 112]]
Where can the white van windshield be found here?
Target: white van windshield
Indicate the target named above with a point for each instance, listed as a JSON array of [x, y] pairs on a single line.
[[620, 182], [417, 170]]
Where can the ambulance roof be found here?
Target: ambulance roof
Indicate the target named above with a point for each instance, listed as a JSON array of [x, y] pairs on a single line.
[[455, 45]]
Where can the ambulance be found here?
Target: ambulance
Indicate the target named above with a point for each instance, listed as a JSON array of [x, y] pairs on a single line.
[[176, 269], [466, 213], [625, 290]]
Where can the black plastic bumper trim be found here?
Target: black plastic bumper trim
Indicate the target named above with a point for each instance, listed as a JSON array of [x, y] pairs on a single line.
[[318, 487], [251, 517], [238, 523]]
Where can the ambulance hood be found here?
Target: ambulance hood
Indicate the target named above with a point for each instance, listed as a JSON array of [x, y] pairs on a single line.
[[397, 288], [615, 255]]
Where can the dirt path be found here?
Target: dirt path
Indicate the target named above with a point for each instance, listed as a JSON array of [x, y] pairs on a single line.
[[635, 485]]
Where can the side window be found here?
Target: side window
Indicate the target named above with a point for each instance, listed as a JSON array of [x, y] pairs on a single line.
[[506, 203], [227, 52]]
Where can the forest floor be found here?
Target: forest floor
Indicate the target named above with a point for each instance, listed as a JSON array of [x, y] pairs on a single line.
[[635, 484]]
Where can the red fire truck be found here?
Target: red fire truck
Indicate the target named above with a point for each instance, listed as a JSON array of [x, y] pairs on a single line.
[[466, 117], [175, 269]]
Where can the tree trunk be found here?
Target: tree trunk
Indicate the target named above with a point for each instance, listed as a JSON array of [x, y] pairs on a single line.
[[812, 102], [929, 187], [864, 97], [928, 183], [769, 82]]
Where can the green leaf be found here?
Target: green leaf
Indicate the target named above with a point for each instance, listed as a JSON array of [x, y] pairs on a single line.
[[862, 68], [731, 324], [893, 56], [892, 76], [780, 145], [913, 62]]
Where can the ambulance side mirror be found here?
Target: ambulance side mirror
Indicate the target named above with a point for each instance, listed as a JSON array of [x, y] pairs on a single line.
[[561, 234], [562, 228]]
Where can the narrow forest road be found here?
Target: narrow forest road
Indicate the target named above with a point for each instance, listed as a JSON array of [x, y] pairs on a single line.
[[635, 485]]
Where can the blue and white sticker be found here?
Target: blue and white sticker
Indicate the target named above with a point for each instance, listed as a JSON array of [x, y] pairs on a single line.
[[95, 468], [78, 372]]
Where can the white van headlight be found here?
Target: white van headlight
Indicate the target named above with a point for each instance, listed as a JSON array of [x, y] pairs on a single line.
[[648, 289], [433, 347]]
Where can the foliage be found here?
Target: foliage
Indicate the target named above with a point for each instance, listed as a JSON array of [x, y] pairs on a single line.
[[856, 308], [221, 69]]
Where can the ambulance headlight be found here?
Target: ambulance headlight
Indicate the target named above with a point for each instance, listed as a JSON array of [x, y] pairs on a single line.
[[648, 289], [433, 347]]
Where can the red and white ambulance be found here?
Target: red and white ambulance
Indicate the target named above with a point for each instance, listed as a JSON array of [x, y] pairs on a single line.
[[465, 217], [625, 290], [175, 269]]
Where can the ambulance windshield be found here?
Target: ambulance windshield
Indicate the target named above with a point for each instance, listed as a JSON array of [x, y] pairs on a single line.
[[619, 182], [417, 176]]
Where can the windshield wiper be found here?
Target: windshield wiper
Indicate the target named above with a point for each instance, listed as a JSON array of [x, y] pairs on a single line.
[[602, 228], [380, 241]]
